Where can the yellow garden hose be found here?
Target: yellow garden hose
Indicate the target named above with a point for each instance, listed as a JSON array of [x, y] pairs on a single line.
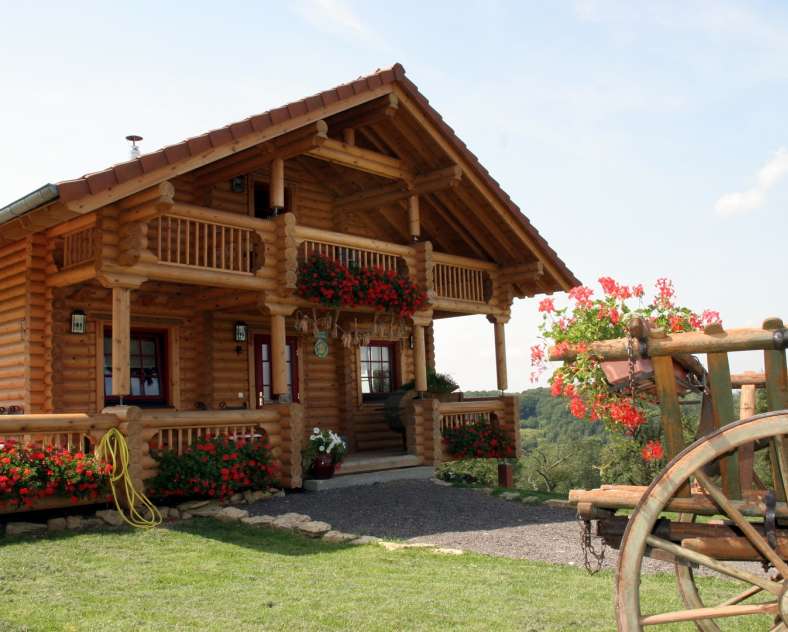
[[141, 512]]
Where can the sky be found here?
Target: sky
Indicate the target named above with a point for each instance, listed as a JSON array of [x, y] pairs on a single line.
[[642, 139]]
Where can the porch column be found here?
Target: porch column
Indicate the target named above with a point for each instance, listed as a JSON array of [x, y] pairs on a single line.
[[500, 351], [121, 340], [420, 351], [276, 189], [121, 285], [279, 347], [414, 220]]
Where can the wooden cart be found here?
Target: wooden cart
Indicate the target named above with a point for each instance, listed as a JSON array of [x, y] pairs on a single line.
[[708, 508]]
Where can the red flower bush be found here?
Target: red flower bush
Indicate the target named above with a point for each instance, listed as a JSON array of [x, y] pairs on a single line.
[[480, 440], [652, 451], [30, 471], [334, 284], [215, 467], [590, 319]]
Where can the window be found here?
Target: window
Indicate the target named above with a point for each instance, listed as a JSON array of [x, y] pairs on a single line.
[[261, 200], [147, 354], [378, 375], [262, 353]]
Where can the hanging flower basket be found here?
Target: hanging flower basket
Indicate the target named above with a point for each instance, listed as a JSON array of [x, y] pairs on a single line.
[[615, 392]]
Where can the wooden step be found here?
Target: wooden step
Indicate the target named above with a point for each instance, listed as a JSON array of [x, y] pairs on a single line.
[[356, 464]]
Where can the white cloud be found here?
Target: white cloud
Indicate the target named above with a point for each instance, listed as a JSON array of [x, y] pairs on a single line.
[[740, 202], [334, 15]]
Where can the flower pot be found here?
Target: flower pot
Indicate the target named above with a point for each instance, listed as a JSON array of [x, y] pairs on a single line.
[[505, 475], [323, 467]]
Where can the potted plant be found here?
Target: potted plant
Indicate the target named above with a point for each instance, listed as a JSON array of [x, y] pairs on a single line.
[[324, 452], [616, 392]]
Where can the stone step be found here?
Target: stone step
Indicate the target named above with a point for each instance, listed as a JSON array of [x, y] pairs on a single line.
[[370, 478], [355, 464]]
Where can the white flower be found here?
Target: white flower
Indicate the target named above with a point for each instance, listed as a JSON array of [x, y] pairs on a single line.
[[316, 431], [322, 448]]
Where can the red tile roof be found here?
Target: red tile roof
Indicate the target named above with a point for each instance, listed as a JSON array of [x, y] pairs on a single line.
[[93, 183]]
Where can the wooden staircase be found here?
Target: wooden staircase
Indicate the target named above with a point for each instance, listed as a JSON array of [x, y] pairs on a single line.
[[372, 432]]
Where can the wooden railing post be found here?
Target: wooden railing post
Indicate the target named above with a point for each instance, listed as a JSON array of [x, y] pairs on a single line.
[[424, 438], [423, 274], [510, 422], [132, 425], [293, 427]]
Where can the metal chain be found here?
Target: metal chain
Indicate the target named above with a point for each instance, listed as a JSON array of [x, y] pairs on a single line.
[[587, 546]]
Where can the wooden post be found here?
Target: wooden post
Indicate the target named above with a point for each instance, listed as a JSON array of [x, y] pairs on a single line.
[[746, 452], [121, 333], [278, 356], [500, 353], [420, 358], [414, 219], [279, 347], [276, 189], [131, 421], [349, 135]]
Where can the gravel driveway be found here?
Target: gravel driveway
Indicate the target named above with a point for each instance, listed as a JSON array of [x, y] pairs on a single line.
[[421, 511]]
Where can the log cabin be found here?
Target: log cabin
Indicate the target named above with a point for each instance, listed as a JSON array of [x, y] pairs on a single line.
[[167, 285]]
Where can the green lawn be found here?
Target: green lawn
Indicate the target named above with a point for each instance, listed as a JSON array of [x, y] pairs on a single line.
[[205, 575]]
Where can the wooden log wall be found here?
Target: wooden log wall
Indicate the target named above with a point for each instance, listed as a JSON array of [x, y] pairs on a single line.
[[14, 317], [76, 358]]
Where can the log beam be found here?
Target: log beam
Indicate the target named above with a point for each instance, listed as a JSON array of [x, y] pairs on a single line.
[[431, 182], [420, 321], [352, 157], [279, 347], [370, 113]]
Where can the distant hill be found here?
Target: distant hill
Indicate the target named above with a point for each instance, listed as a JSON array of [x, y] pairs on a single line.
[[549, 415]]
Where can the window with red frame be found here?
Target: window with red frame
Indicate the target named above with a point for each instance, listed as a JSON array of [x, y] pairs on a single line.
[[147, 360], [263, 366], [378, 370]]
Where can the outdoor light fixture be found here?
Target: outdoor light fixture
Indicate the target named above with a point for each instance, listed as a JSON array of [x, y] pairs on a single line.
[[411, 342], [78, 321], [241, 330], [238, 184]]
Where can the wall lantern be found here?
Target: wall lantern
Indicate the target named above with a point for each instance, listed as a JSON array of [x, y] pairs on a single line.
[[78, 321], [241, 331], [238, 184]]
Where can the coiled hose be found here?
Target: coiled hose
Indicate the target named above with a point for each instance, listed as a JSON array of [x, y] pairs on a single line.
[[141, 512]]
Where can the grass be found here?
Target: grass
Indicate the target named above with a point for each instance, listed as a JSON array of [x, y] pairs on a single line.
[[206, 575]]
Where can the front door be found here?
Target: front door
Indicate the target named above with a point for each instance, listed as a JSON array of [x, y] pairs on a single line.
[[263, 369]]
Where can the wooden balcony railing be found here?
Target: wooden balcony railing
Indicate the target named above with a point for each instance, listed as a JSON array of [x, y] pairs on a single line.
[[362, 251], [462, 279], [467, 412], [201, 243], [78, 247]]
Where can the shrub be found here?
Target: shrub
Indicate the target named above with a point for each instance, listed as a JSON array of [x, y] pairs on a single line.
[[469, 472], [28, 472], [436, 383], [481, 439], [215, 466]]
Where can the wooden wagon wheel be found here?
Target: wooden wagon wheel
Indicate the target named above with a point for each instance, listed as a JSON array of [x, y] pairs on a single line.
[[638, 538]]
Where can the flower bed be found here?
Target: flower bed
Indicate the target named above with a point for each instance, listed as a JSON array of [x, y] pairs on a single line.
[[215, 467], [334, 284], [479, 440], [588, 319], [29, 472]]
